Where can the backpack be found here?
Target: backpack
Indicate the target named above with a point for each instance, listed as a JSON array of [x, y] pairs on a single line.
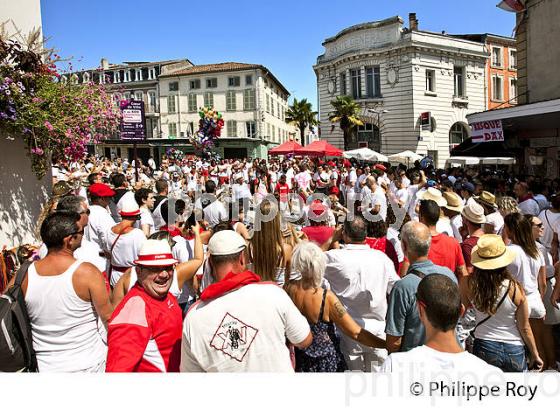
[[16, 344]]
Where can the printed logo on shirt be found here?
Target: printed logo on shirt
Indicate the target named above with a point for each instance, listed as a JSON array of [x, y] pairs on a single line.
[[233, 337]]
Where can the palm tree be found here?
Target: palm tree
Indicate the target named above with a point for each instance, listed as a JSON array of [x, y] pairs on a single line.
[[301, 114], [346, 113]]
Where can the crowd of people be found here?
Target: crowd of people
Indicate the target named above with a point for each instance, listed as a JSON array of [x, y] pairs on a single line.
[[294, 264]]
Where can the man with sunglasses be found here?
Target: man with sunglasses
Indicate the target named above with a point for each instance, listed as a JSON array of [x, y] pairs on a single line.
[[64, 298], [145, 329]]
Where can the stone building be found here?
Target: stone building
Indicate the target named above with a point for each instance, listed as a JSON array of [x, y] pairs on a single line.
[[400, 75]]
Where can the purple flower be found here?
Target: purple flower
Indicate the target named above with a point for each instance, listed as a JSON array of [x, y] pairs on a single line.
[[26, 130], [8, 92], [3, 115]]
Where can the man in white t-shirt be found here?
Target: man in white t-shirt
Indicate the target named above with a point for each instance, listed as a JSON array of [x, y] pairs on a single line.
[[214, 211], [439, 307], [225, 332]]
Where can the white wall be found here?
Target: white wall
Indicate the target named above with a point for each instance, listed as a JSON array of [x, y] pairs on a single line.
[[25, 14], [22, 194]]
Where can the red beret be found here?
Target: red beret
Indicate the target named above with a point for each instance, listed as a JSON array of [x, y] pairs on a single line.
[[331, 164], [101, 190], [334, 190], [380, 167]]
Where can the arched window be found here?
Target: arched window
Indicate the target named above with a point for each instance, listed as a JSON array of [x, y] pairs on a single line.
[[85, 78], [368, 136], [457, 134]]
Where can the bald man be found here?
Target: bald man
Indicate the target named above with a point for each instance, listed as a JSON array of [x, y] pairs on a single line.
[[403, 326]]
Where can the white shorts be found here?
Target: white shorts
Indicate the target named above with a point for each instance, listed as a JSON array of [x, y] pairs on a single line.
[[536, 306]]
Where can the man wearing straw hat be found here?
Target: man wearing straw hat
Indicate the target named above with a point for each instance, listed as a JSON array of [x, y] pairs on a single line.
[[473, 219], [453, 210], [145, 329], [494, 220]]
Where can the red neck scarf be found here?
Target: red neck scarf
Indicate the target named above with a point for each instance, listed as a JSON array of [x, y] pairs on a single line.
[[230, 282], [525, 198], [172, 231]]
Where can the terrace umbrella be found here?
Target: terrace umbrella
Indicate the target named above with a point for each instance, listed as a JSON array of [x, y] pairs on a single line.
[[289, 147], [365, 154], [320, 148]]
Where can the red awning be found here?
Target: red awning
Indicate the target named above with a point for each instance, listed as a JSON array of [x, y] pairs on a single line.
[[320, 148], [289, 147]]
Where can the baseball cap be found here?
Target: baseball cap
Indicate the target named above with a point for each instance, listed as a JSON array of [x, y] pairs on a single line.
[[101, 190], [431, 183], [467, 186], [226, 243]]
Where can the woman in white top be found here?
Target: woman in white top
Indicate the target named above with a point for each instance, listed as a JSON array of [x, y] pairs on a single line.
[[552, 312], [269, 254], [528, 269], [501, 309], [145, 200]]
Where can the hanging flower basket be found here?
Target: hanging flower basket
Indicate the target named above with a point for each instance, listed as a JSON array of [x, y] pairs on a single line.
[[56, 120]]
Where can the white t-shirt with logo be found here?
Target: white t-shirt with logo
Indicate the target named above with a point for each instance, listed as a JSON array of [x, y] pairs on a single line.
[[424, 360], [242, 331]]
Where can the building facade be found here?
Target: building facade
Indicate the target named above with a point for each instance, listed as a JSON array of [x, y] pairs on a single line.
[[501, 69], [415, 87], [252, 101], [532, 128], [138, 80]]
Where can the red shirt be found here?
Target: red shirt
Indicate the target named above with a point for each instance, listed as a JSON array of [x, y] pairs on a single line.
[[319, 234], [283, 190], [445, 251], [385, 246], [467, 247], [144, 334]]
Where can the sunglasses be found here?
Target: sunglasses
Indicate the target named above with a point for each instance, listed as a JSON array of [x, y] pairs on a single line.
[[538, 225], [87, 212], [77, 233]]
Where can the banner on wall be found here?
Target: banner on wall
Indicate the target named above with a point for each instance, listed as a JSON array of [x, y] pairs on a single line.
[[487, 131]]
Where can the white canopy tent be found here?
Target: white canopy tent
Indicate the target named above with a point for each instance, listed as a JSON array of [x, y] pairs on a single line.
[[365, 154], [462, 161], [405, 157]]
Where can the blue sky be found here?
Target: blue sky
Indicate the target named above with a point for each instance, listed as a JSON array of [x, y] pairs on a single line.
[[285, 36]]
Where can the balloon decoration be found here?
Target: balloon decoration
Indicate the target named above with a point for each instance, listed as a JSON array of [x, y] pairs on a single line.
[[175, 154], [209, 129]]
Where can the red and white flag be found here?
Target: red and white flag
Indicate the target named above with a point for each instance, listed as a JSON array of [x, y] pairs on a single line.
[[514, 6]]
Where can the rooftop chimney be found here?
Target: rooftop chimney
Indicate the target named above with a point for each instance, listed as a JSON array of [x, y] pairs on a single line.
[[104, 64], [412, 22]]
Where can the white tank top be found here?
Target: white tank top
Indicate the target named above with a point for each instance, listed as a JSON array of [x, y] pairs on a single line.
[[174, 289], [65, 330], [502, 326]]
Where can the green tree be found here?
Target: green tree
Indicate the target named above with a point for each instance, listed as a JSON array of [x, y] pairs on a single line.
[[347, 114], [301, 114]]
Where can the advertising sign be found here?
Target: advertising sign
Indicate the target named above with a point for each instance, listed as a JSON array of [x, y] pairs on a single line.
[[426, 121], [132, 122], [487, 131]]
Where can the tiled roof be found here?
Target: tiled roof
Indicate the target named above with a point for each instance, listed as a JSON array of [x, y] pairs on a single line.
[[213, 68]]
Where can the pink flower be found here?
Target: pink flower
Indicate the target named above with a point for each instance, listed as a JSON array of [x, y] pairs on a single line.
[[37, 151], [49, 126]]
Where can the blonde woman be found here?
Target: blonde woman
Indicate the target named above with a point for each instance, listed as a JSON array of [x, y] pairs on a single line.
[[506, 205], [269, 254]]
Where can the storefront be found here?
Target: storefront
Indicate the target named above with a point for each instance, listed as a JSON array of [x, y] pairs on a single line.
[[532, 133]]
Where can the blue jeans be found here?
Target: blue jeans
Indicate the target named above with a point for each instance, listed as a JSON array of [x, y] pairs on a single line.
[[506, 356]]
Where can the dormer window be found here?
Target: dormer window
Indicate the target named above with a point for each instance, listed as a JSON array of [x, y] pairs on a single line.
[[139, 75], [85, 78], [152, 73], [117, 77], [127, 76]]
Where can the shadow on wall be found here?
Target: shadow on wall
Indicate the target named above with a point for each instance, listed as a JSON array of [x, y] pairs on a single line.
[[21, 194]]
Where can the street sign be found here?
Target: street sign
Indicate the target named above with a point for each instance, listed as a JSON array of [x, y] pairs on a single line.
[[133, 119], [487, 131], [426, 121]]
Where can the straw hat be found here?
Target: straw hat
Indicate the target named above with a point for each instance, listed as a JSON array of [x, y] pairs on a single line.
[[474, 212], [491, 252], [433, 194], [488, 199], [454, 202], [155, 253]]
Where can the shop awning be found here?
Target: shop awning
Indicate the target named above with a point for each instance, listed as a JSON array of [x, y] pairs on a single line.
[[535, 116], [320, 148], [289, 147]]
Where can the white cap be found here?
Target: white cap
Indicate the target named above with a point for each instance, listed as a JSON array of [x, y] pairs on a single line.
[[226, 243]]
